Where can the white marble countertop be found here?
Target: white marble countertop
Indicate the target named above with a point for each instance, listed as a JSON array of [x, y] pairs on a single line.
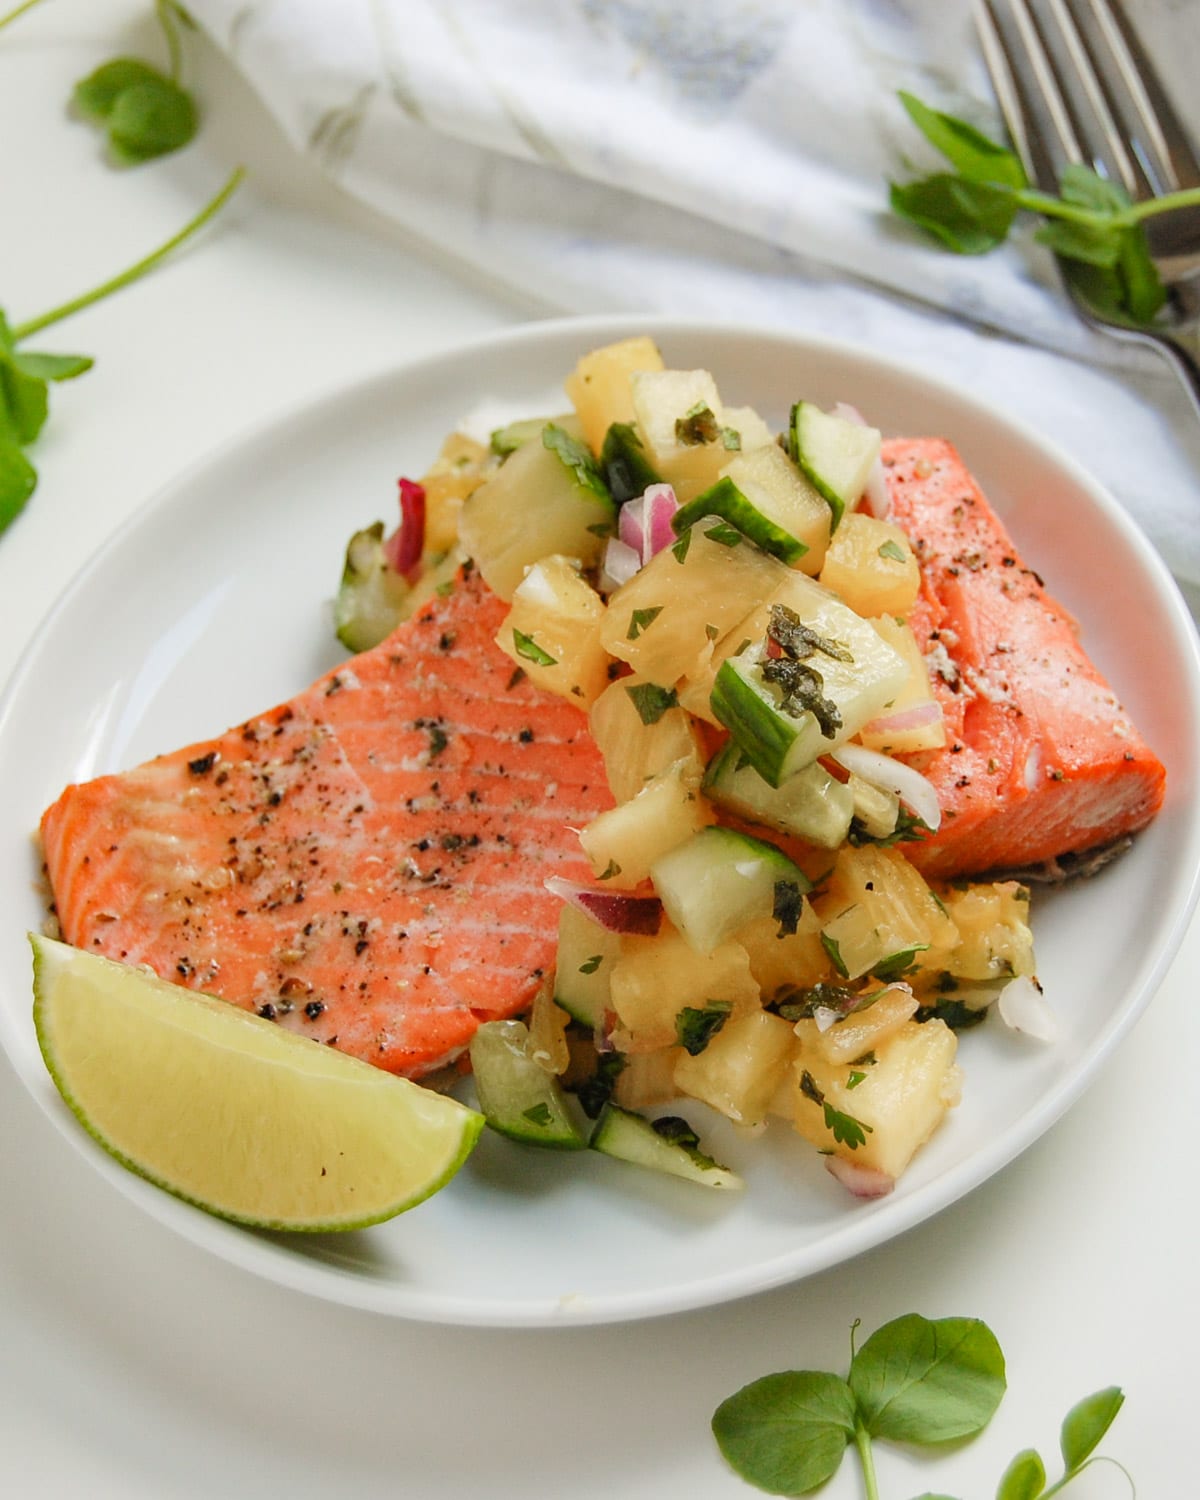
[[137, 1367]]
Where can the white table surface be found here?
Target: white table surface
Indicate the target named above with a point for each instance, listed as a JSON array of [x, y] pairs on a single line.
[[133, 1365]]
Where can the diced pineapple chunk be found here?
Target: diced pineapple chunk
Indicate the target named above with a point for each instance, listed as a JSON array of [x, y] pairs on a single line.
[[890, 734], [624, 842], [459, 469], [740, 1069], [647, 1079], [548, 1032], [994, 937], [656, 978], [583, 969], [878, 914], [536, 504], [785, 961], [634, 750], [552, 631], [751, 429], [896, 1101], [870, 564], [667, 616], [774, 485], [679, 414], [599, 386], [863, 1030]]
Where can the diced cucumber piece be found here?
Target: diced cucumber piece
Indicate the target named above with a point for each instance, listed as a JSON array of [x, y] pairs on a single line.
[[514, 435], [836, 455], [516, 1094], [811, 805], [667, 1145], [587, 953], [546, 498], [839, 674], [760, 521], [777, 744], [721, 879], [625, 463], [370, 599]]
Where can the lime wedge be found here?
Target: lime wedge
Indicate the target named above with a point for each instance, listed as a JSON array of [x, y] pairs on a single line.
[[231, 1112]]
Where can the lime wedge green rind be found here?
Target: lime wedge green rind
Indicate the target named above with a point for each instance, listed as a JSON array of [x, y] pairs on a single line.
[[232, 1113]]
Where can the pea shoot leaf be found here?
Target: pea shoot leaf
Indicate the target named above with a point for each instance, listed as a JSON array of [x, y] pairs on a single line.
[[969, 217], [918, 1381], [787, 1433], [1092, 226], [973, 154], [96, 95], [1024, 1479], [18, 480], [144, 112], [151, 119], [1087, 1422], [52, 366]]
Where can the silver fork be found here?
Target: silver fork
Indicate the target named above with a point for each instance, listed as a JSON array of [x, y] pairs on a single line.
[[1074, 84]]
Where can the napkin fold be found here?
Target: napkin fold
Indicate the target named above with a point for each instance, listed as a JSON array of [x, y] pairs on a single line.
[[723, 159]]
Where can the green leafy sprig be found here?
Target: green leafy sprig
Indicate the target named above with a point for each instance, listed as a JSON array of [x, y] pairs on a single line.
[[25, 375], [143, 111], [1092, 226], [914, 1381]]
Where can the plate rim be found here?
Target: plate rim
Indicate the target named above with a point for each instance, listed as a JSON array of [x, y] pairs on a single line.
[[261, 1255]]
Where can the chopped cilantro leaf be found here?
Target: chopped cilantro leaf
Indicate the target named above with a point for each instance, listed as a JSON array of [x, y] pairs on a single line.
[[641, 620], [652, 701], [695, 1027], [527, 647]]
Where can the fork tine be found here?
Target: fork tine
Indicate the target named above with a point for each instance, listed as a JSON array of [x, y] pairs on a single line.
[[1142, 133], [1026, 88], [1170, 159]]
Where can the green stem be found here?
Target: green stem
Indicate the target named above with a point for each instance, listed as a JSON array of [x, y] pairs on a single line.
[[174, 54], [1055, 208], [862, 1441], [134, 272], [19, 11], [1096, 1458]]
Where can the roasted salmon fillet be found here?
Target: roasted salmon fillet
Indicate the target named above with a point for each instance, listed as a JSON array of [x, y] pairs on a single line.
[[363, 864], [1040, 760]]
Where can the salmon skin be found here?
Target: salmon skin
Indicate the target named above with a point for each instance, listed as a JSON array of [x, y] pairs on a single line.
[[1041, 760], [363, 864]]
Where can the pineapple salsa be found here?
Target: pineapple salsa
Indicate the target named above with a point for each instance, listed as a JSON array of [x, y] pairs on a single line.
[[728, 607]]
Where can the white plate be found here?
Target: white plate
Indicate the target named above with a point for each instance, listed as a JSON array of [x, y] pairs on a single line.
[[212, 604]]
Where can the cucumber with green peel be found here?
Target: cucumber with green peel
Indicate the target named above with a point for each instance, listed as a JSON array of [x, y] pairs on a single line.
[[778, 744], [514, 435], [667, 1145], [720, 879], [371, 595], [759, 519], [587, 954], [812, 805], [818, 675], [517, 1097], [836, 455], [625, 463]]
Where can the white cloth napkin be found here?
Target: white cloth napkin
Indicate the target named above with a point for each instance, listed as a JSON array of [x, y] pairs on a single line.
[[722, 158]]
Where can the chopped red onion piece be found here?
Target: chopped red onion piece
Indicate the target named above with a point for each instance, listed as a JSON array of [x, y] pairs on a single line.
[[914, 790], [863, 1182], [615, 911], [876, 493], [848, 413], [1023, 1007], [660, 506], [621, 562], [404, 547], [631, 526], [915, 717]]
